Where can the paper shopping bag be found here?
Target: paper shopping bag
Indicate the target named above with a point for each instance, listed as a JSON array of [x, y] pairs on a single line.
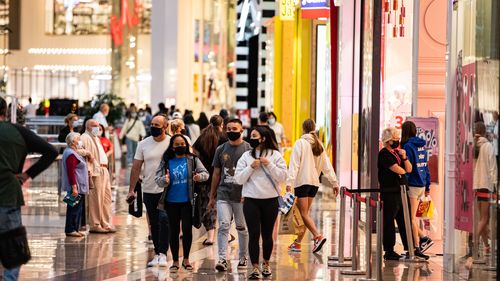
[[423, 208], [291, 223]]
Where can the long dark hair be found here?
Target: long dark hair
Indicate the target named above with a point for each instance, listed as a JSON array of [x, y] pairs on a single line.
[[209, 137], [309, 127], [408, 131], [268, 145], [170, 154], [203, 121]]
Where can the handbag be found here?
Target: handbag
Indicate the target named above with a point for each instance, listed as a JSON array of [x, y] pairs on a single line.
[[135, 207], [196, 202], [124, 139], [281, 202], [14, 248]]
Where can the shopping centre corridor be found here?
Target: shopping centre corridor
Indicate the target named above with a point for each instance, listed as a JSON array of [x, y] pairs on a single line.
[[124, 255]]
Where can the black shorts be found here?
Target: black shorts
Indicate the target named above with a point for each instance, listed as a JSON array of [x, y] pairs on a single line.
[[483, 190], [306, 191]]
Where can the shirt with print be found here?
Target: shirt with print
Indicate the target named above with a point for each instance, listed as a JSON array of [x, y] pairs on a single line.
[[178, 188], [226, 157]]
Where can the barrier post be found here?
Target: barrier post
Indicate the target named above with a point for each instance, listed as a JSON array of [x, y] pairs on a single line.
[[368, 241], [339, 260], [493, 229], [380, 235], [355, 241], [408, 227], [476, 256]]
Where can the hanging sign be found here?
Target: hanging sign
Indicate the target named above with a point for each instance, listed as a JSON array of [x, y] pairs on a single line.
[[315, 9], [117, 24], [287, 10]]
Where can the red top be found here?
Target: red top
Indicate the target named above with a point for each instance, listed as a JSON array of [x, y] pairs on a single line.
[[106, 144], [71, 163]]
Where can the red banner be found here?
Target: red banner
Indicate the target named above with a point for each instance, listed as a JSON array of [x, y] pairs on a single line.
[[117, 24]]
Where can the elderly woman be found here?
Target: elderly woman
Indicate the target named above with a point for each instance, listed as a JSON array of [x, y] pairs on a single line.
[[392, 166], [74, 181]]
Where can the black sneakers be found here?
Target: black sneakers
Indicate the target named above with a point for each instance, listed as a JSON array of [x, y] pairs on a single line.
[[425, 243], [418, 254], [392, 256]]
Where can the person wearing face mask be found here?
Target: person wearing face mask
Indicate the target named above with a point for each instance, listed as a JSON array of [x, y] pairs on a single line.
[[148, 155], [392, 167], [228, 193], [177, 127], [261, 172], [278, 129], [75, 182], [132, 131], [70, 121], [99, 197], [176, 174]]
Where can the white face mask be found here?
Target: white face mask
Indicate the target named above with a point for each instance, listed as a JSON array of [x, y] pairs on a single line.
[[95, 131], [79, 144], [272, 121]]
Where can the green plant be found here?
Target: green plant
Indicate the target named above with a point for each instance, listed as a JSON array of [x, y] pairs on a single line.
[[116, 107]]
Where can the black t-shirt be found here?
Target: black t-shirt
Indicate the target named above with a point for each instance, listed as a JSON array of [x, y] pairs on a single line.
[[387, 179]]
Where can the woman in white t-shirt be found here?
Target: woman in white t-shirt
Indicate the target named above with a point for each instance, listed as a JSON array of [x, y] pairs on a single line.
[[278, 129]]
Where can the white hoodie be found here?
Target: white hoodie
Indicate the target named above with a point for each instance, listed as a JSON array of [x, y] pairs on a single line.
[[305, 168], [485, 166], [256, 183]]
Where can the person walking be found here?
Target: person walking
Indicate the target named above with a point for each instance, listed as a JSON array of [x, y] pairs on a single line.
[[15, 143], [133, 131], [177, 173], [202, 121], [261, 171], [192, 127], [177, 127], [278, 129], [75, 180], [99, 198], [485, 180], [307, 162], [148, 155], [228, 192], [419, 180], [204, 147], [392, 167]]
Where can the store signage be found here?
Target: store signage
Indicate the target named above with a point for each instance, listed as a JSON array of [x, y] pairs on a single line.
[[287, 10], [117, 24], [315, 9]]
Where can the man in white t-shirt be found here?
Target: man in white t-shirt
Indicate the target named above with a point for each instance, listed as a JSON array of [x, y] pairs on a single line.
[[149, 153]]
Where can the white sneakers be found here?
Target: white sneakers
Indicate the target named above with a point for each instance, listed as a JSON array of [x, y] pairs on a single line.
[[158, 260]]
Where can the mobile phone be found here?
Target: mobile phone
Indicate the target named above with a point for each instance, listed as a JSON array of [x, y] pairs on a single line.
[[131, 199]]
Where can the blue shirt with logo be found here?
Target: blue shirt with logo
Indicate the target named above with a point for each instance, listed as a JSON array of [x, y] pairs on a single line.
[[178, 191]]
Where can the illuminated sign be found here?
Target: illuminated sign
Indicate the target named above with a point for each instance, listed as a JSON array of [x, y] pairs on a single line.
[[315, 9], [287, 10]]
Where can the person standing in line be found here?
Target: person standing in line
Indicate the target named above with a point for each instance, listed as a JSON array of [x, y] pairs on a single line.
[[278, 129], [392, 167], [133, 131], [75, 180], [70, 121], [177, 174], [149, 154], [419, 180], [99, 198], [307, 162], [485, 179], [106, 143], [228, 193], [101, 115], [204, 147], [261, 171], [15, 143]]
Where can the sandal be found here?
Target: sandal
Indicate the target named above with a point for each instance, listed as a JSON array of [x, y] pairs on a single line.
[[174, 268], [207, 243], [187, 267]]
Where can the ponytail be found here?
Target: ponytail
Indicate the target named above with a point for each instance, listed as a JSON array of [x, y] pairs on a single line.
[[317, 147]]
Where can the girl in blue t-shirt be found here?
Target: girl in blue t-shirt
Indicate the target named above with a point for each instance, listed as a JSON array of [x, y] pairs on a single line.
[[178, 171]]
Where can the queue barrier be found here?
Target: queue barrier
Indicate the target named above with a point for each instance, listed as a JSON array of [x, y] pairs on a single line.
[[490, 263]]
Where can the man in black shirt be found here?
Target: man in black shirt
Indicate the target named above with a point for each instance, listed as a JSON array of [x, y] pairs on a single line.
[[15, 143]]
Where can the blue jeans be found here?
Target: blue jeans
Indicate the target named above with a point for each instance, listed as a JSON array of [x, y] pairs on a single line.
[[10, 218], [225, 212], [131, 148], [73, 217]]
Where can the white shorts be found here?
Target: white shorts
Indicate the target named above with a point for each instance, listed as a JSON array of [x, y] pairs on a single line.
[[415, 192]]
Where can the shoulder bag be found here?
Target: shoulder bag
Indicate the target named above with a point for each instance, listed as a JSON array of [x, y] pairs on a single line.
[[124, 139]]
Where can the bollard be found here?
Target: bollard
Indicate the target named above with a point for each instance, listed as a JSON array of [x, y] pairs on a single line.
[[368, 241], [355, 241], [476, 256], [409, 232], [340, 260], [493, 229], [380, 235]]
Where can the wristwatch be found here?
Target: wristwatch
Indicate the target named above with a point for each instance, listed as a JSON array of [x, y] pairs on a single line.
[[404, 159]]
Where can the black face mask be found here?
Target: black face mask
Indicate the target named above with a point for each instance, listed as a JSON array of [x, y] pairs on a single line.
[[395, 144], [180, 150], [233, 136], [254, 143], [156, 132], [183, 131]]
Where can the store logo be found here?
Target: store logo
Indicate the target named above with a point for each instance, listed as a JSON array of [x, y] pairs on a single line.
[[314, 3], [117, 24]]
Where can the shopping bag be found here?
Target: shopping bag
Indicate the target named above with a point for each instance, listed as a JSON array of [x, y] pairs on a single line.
[[430, 211], [423, 207], [135, 206], [291, 222], [287, 204]]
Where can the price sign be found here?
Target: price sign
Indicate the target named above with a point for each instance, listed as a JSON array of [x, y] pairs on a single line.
[[287, 10]]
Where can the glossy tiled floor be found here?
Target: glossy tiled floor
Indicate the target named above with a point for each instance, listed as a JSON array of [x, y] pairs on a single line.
[[123, 256]]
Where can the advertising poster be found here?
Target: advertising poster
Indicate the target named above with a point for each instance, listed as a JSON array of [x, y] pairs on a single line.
[[465, 90], [428, 130]]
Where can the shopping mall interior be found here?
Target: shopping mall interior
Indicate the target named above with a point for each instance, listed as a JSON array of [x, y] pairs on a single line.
[[367, 74]]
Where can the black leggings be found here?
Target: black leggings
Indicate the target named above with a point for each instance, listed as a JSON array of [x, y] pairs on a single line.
[[177, 213], [260, 216]]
